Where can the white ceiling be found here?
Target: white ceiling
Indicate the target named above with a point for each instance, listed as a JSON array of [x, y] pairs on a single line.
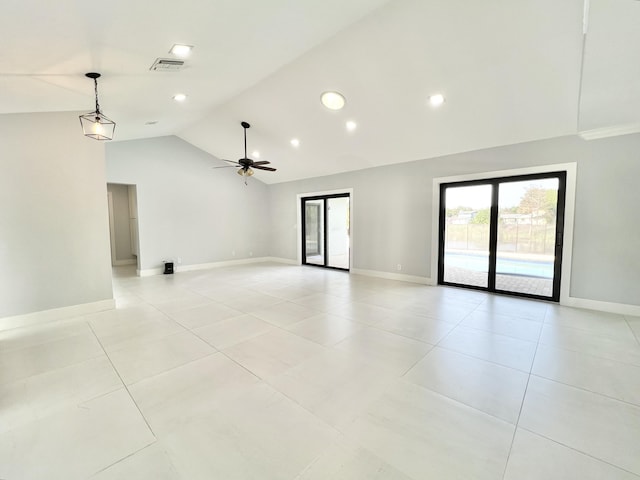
[[511, 70]]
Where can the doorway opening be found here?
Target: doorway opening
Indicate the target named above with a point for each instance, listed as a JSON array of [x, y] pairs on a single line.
[[325, 229], [503, 235], [123, 224]]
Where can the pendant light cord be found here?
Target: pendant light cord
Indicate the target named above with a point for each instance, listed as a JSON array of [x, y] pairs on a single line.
[[95, 82]]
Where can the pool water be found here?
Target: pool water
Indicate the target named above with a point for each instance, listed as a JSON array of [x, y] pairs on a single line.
[[479, 262]]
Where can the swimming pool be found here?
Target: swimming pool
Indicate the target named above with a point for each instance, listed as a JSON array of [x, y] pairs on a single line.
[[507, 266]]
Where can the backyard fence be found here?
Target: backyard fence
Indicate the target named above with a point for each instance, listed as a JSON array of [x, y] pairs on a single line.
[[534, 239]]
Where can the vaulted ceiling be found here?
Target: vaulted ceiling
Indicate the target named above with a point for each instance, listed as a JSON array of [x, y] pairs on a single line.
[[511, 71]]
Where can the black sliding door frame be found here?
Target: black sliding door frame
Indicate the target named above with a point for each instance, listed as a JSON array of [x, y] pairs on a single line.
[[493, 231], [325, 228]]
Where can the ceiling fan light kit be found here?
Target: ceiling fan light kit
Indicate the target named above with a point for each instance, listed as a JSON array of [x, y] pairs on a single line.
[[96, 124], [246, 164]]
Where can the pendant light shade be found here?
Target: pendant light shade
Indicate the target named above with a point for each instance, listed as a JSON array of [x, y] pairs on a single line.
[[95, 124]]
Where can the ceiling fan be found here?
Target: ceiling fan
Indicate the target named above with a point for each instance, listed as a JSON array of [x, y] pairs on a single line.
[[246, 164]]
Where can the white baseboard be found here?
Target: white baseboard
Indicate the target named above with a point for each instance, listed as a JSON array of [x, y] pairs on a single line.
[[54, 314], [606, 132], [393, 276], [204, 266], [149, 272], [120, 263], [619, 308]]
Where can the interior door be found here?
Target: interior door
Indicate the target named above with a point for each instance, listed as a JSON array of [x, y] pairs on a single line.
[[503, 234]]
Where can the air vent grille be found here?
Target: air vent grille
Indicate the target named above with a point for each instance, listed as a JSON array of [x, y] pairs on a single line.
[[167, 65]]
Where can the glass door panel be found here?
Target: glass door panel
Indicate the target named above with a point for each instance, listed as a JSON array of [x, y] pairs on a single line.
[[314, 231], [325, 231], [526, 240], [338, 232], [467, 212]]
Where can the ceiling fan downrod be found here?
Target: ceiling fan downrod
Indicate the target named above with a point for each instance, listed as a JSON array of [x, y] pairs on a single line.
[[245, 125]]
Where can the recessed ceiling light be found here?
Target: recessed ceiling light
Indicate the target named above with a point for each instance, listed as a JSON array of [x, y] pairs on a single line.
[[333, 100], [295, 142], [255, 154], [180, 97], [436, 100], [351, 125], [151, 122], [181, 50]]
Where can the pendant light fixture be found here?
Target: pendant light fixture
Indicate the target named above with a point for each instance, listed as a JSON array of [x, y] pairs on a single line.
[[95, 124]]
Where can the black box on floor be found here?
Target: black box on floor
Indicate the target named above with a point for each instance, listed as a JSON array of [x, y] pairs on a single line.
[[168, 267]]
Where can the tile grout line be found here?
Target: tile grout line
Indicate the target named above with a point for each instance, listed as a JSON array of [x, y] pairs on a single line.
[[122, 459], [475, 358], [583, 389], [524, 397], [503, 334], [626, 319], [433, 346], [588, 354], [270, 385], [126, 387], [417, 361], [492, 362], [618, 467], [587, 331], [458, 323], [482, 360]]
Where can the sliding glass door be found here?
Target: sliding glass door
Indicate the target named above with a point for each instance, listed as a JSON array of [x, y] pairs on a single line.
[[314, 247], [325, 231], [504, 234], [466, 253]]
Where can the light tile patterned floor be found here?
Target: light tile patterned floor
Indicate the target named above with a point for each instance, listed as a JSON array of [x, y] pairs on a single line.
[[268, 371]]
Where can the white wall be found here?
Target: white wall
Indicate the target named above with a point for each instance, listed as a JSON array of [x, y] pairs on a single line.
[[393, 208], [186, 209], [54, 226], [122, 230]]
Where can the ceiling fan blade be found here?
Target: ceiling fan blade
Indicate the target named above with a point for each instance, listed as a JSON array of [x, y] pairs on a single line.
[[258, 167], [231, 161], [227, 166], [261, 162]]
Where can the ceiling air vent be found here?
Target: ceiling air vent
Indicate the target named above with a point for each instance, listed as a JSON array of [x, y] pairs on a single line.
[[167, 65]]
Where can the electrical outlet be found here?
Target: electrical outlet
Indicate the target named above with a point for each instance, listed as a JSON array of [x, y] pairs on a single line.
[[399, 267], [179, 259]]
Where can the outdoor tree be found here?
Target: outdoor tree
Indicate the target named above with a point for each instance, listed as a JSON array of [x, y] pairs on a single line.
[[539, 201], [482, 217], [454, 212]]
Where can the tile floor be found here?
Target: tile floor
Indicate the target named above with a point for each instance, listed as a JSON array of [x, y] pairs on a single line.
[[280, 372]]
